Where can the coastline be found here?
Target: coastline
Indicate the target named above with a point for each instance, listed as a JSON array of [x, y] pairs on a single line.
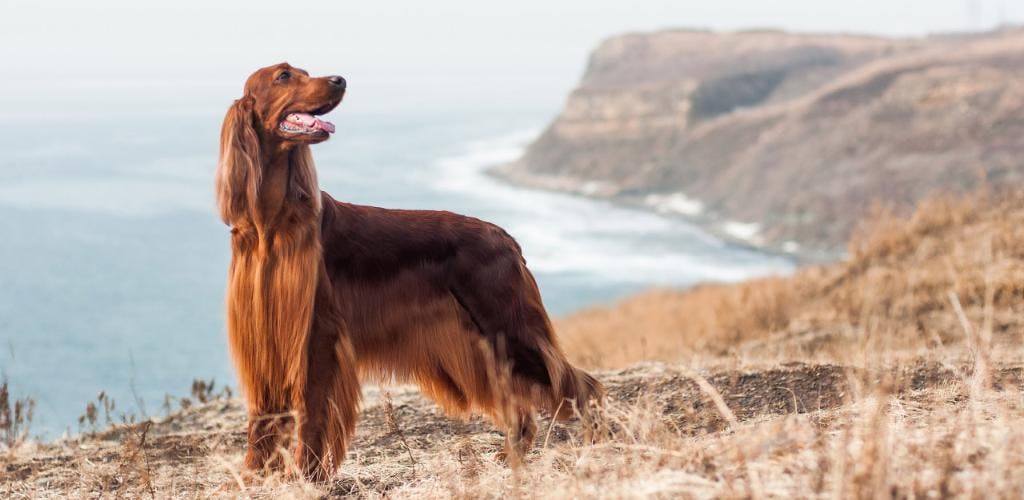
[[735, 233]]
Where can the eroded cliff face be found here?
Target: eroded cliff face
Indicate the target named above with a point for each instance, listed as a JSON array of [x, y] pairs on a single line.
[[786, 140]]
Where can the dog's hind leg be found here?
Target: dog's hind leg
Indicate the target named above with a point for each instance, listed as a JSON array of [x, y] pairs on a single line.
[[519, 436]]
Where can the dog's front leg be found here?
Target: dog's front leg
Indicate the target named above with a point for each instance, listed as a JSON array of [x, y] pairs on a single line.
[[269, 432], [329, 404]]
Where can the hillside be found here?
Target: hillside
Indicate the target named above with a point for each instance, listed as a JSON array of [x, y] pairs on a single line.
[[912, 284], [781, 432], [897, 373], [783, 140]]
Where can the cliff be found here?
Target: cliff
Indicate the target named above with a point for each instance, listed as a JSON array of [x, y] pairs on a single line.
[[786, 140]]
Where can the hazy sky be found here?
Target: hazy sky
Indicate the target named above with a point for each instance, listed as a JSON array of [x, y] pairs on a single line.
[[394, 53]]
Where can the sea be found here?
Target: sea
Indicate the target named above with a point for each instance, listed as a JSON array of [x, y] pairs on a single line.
[[113, 260]]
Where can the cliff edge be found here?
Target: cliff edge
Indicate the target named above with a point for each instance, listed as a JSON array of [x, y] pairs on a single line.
[[784, 140]]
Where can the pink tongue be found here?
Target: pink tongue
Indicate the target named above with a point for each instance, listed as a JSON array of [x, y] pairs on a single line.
[[311, 121]]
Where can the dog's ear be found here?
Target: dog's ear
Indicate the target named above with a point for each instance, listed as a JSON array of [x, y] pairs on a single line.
[[238, 170]]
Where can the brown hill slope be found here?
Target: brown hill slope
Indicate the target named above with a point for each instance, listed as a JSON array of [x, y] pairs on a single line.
[[791, 431], [911, 285], [895, 374], [795, 136]]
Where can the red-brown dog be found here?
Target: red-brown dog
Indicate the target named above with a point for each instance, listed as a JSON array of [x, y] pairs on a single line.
[[322, 293]]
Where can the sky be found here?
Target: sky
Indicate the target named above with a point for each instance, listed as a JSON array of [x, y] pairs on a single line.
[[394, 54]]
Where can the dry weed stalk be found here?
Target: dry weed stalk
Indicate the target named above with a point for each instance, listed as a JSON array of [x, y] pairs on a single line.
[[393, 428], [15, 418], [134, 466]]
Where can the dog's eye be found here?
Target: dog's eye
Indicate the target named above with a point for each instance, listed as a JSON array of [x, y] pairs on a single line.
[[284, 76]]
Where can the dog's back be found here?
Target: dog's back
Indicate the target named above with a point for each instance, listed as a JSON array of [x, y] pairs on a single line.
[[447, 301]]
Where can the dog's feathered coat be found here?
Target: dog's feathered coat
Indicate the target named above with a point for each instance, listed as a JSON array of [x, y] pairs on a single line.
[[322, 293]]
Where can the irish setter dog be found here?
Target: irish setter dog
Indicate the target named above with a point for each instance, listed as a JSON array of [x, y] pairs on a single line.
[[322, 294]]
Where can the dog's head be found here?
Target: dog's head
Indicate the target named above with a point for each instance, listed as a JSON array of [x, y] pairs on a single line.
[[284, 103], [279, 112]]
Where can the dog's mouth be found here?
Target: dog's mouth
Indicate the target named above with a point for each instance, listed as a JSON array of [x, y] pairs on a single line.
[[308, 123], [305, 123]]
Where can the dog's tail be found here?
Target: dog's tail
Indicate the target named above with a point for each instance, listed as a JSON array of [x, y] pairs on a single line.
[[572, 389]]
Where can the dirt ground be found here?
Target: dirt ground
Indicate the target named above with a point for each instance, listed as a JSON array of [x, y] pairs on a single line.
[[196, 451]]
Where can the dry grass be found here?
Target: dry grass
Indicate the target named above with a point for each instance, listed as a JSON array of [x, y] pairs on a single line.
[[894, 289], [668, 325], [15, 418], [795, 431], [895, 374]]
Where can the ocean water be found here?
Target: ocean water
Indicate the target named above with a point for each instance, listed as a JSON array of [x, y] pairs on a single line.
[[113, 261]]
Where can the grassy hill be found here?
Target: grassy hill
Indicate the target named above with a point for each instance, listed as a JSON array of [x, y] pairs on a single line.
[[895, 373], [909, 285]]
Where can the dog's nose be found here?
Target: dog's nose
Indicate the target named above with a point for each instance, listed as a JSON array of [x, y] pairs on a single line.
[[336, 81]]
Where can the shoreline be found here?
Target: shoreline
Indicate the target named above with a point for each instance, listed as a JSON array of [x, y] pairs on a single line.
[[710, 223]]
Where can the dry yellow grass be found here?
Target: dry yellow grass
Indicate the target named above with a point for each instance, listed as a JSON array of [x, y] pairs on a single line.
[[894, 288], [895, 374], [802, 431]]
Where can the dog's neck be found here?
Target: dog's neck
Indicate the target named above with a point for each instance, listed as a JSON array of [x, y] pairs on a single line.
[[288, 192], [273, 192]]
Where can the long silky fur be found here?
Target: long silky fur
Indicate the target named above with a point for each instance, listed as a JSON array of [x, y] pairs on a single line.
[[276, 267], [321, 293]]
